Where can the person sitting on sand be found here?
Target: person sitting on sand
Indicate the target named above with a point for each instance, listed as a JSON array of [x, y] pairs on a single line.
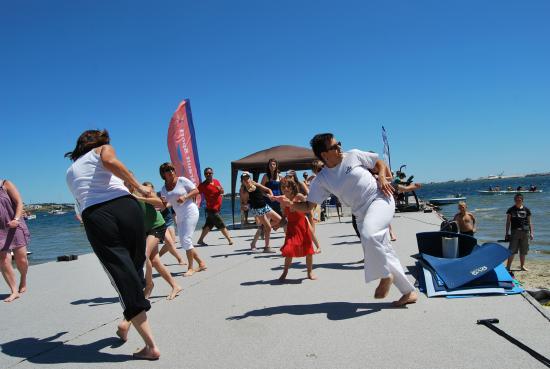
[[371, 200], [298, 238], [180, 192], [518, 220], [265, 217], [14, 236], [466, 220]]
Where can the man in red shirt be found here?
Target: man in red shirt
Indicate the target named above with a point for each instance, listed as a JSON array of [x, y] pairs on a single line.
[[212, 191]]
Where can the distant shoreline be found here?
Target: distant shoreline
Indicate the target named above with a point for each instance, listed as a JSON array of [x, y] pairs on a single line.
[[493, 178]]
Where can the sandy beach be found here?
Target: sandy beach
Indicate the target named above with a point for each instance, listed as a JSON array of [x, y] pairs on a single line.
[[538, 275]]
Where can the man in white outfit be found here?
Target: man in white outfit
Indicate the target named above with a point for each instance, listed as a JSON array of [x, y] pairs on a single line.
[[347, 176]]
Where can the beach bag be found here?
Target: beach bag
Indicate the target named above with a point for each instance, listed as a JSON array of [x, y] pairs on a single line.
[[449, 226]]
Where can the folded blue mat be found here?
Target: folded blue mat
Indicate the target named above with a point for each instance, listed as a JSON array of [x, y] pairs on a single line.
[[457, 272], [426, 285], [496, 278]]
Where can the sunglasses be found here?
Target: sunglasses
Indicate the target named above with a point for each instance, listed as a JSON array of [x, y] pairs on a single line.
[[336, 146], [168, 170]]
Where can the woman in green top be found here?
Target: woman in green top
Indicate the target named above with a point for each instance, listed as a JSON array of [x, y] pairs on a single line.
[[154, 229]]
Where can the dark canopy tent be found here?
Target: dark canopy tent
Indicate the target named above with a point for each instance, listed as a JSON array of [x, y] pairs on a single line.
[[289, 157]]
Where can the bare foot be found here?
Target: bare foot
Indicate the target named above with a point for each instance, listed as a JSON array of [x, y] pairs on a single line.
[[12, 297], [268, 250], [182, 262], [312, 276], [383, 287], [253, 246], [148, 289], [22, 288], [175, 291], [393, 237], [282, 278], [202, 267], [122, 330], [147, 353], [408, 298], [521, 268], [189, 273], [230, 242]]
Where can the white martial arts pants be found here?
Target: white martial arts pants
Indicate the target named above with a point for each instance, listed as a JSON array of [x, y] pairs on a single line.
[[186, 226], [380, 257]]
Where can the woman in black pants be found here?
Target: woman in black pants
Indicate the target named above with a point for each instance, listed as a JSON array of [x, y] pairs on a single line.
[[114, 226]]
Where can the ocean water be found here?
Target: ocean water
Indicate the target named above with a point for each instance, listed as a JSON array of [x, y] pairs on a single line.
[[490, 210], [54, 235]]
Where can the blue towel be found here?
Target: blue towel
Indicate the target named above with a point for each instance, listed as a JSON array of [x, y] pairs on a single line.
[[457, 272]]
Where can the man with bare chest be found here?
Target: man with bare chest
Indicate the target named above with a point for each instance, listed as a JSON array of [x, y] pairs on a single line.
[[466, 220]]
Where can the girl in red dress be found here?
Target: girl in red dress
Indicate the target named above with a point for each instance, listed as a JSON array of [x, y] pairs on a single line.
[[298, 240]]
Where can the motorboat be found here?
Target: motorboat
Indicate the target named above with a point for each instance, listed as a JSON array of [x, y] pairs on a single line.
[[447, 200]]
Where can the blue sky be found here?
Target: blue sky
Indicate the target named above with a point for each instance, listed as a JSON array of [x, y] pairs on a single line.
[[463, 88]]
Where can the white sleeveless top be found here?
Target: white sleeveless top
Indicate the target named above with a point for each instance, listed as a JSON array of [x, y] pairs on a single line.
[[91, 184]]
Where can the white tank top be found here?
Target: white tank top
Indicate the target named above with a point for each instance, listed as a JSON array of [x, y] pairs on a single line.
[[91, 184]]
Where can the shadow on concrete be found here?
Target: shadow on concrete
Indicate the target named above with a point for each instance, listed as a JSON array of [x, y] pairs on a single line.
[[237, 253], [269, 255], [96, 301], [48, 351], [346, 243], [412, 271], [273, 282], [333, 310], [339, 266], [344, 235]]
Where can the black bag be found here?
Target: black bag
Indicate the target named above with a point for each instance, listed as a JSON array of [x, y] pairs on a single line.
[[449, 226]]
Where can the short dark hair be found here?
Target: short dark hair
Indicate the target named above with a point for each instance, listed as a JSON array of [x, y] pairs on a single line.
[[163, 167], [87, 141], [518, 196], [207, 169], [319, 143]]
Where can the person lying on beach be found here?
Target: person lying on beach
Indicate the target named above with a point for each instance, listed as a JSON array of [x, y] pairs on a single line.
[[298, 238], [371, 200], [265, 217]]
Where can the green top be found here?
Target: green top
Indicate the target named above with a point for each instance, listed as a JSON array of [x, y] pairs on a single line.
[[153, 218]]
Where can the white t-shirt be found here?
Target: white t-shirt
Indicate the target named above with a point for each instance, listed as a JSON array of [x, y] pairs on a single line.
[[350, 181], [183, 187], [91, 184]]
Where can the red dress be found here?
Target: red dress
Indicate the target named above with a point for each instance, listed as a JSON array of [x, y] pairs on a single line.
[[298, 241]]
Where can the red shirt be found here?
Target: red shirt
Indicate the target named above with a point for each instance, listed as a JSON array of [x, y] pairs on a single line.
[[212, 194]]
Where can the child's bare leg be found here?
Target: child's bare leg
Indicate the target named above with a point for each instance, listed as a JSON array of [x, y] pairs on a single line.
[[309, 265], [159, 266], [257, 235], [288, 262], [170, 246], [267, 231]]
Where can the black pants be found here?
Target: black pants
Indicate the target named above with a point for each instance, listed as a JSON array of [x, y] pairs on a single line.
[[116, 232]]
